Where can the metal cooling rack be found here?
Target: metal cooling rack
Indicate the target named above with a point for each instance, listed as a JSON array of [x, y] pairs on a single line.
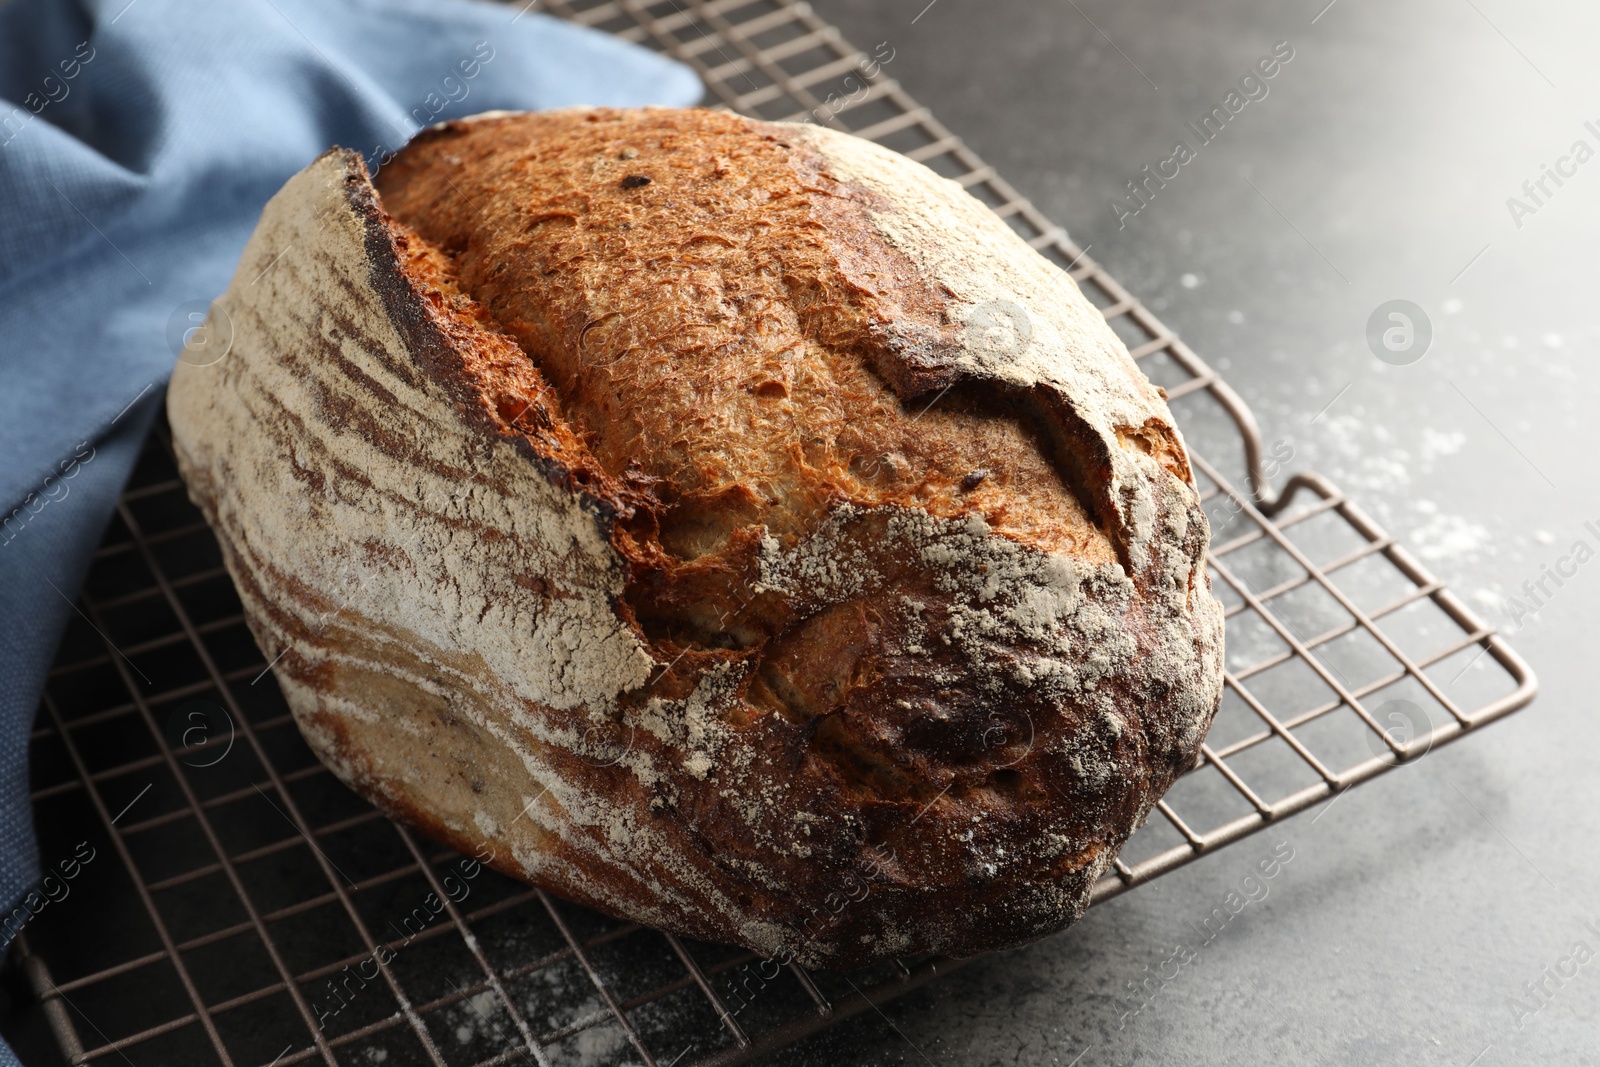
[[236, 883]]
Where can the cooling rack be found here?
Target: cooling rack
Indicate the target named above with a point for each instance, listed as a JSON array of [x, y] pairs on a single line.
[[240, 906]]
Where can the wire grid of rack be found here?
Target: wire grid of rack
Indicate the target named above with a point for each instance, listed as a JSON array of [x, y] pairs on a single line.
[[245, 909]]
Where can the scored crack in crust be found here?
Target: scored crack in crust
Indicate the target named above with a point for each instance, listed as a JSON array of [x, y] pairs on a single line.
[[707, 514]]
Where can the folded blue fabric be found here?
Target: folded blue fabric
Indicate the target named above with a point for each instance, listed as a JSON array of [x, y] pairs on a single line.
[[139, 140]]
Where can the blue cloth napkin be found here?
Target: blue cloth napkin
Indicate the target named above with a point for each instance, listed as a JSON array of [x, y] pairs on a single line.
[[138, 143]]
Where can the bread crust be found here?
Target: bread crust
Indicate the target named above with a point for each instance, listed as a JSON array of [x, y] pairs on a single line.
[[776, 550]]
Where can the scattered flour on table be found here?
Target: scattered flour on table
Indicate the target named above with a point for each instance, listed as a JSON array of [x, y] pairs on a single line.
[[549, 998], [1443, 536], [593, 1047], [478, 1016]]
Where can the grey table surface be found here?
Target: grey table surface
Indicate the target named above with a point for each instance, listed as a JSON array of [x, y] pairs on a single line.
[[1379, 166]]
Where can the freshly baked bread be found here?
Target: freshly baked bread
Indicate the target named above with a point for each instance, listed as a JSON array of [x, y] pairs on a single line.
[[732, 525]]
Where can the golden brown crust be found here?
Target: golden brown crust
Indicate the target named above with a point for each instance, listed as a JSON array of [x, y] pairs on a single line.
[[716, 288], [917, 567]]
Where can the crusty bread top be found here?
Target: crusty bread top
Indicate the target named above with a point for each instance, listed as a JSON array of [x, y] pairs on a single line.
[[715, 310]]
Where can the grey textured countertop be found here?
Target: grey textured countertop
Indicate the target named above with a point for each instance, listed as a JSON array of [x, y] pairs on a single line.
[[1377, 167]]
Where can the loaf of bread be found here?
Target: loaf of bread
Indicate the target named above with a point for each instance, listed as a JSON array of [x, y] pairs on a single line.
[[731, 526]]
